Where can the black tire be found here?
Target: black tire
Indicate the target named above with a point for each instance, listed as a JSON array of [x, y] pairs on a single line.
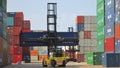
[[53, 63], [44, 64], [64, 63]]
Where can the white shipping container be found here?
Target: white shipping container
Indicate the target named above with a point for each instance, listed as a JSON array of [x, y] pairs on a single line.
[[93, 19], [87, 49], [87, 27], [93, 35], [93, 42], [36, 48], [93, 49], [93, 27], [34, 58], [81, 34], [81, 42], [87, 19], [82, 49], [43, 52]]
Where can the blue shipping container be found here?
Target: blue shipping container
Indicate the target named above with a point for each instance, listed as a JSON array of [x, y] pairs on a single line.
[[10, 21], [117, 18], [109, 4], [11, 14], [110, 60], [109, 30], [109, 16], [117, 46], [117, 5], [80, 27]]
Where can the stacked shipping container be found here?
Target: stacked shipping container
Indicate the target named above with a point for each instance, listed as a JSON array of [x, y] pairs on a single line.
[[86, 27]]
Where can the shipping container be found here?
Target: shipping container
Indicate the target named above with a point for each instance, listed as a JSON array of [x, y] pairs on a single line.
[[34, 58], [25, 30], [18, 21], [117, 31], [93, 35], [1, 15], [109, 44], [26, 24], [99, 1], [86, 19], [109, 4], [100, 33], [25, 50], [42, 57], [43, 52], [81, 34], [93, 27], [10, 21], [100, 8], [1, 29], [109, 30], [90, 58], [17, 50], [16, 40], [26, 58], [3, 4], [11, 14], [100, 45], [100, 21], [16, 58], [80, 58], [93, 42], [87, 34], [19, 15], [117, 46], [80, 19], [110, 60], [87, 27], [34, 52], [80, 27], [16, 30], [110, 16]]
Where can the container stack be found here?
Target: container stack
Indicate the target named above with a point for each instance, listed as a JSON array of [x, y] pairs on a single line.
[[100, 26], [4, 47], [38, 53], [86, 27]]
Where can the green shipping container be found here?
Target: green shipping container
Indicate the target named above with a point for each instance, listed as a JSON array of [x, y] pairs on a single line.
[[100, 33], [10, 21], [94, 58], [100, 21], [90, 58], [100, 9], [5, 46], [4, 25], [100, 1], [100, 45], [3, 4]]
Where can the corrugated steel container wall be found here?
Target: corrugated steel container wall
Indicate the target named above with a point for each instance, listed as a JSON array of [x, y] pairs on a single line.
[[11, 14], [109, 30], [25, 50], [87, 27], [1, 29], [34, 58], [93, 35], [16, 58], [90, 58], [81, 42], [43, 52], [26, 58], [81, 34], [16, 30], [100, 21], [19, 14], [97, 58], [100, 33], [85, 49], [42, 57], [110, 60], [99, 1], [109, 4], [1, 15], [93, 27], [16, 40], [93, 20], [80, 27], [93, 42], [87, 34], [117, 12], [109, 44], [80, 19], [100, 8], [109, 16], [9, 35], [26, 24], [3, 4], [86, 19], [25, 30], [117, 46], [100, 45], [117, 31], [17, 50], [1, 51], [10, 21], [80, 58], [18, 21]]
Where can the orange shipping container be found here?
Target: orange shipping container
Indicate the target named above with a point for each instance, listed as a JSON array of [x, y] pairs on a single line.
[[42, 57], [80, 19], [16, 30], [117, 31], [19, 14], [33, 52]]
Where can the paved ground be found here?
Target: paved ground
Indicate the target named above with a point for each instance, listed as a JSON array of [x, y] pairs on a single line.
[[69, 65]]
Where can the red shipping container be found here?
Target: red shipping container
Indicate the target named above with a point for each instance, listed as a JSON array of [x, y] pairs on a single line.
[[16, 40], [25, 50], [18, 21], [19, 14], [80, 19], [9, 31], [26, 24], [16, 58], [80, 58], [11, 49], [1, 45], [16, 30], [117, 31], [87, 34], [25, 30], [17, 50], [109, 44]]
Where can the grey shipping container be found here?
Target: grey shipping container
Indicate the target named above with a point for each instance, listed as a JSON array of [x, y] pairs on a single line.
[[109, 30], [109, 4], [109, 16], [110, 60], [117, 46]]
